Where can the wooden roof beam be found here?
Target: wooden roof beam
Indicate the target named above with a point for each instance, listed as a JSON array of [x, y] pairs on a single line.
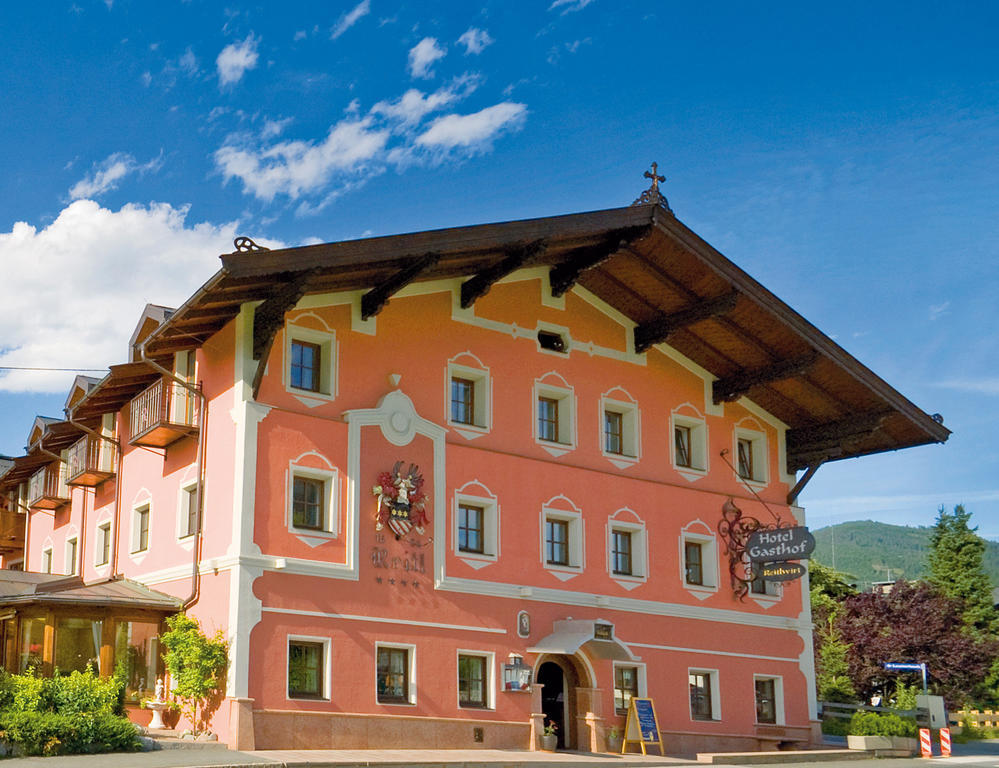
[[563, 276], [374, 300], [731, 388], [478, 286], [268, 319], [659, 330], [807, 444]]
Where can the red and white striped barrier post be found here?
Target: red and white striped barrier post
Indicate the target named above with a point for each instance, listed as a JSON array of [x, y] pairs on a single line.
[[945, 742], [925, 742]]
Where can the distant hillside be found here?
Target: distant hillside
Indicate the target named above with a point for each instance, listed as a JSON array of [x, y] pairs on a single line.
[[871, 551]]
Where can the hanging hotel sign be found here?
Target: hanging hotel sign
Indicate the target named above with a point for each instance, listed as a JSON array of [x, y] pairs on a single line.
[[401, 501], [780, 544], [781, 571]]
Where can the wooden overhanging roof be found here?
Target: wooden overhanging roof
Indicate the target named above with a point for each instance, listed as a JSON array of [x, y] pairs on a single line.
[[122, 383], [22, 589], [642, 261], [55, 436]]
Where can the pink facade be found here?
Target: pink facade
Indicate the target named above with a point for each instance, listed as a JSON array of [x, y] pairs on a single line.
[[567, 488]]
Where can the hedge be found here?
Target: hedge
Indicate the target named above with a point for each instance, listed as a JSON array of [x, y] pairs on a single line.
[[50, 733], [872, 724]]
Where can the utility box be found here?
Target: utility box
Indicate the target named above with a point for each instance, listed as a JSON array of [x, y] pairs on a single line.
[[935, 706]]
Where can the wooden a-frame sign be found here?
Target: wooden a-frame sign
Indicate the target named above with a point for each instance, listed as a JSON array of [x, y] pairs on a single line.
[[642, 726]]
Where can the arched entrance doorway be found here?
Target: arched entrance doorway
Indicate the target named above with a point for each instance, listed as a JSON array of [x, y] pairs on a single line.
[[561, 676]]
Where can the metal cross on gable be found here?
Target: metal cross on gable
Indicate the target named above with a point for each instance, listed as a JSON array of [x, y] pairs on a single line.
[[656, 178], [652, 196]]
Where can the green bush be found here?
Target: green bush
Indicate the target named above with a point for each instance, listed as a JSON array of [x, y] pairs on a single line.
[[873, 724], [49, 733], [85, 692], [28, 693], [835, 726]]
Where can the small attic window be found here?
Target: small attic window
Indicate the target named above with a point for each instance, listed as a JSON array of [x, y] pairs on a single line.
[[552, 341]]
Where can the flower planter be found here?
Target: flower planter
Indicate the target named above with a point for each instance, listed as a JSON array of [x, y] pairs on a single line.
[[883, 743], [614, 744], [549, 741]]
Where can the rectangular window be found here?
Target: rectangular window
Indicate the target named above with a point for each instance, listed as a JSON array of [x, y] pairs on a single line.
[[462, 401], [745, 458], [71, 557], [548, 419], [766, 701], [471, 528], [681, 441], [305, 669], [700, 695], [557, 542], [392, 676], [141, 534], [621, 552], [306, 359], [625, 688], [613, 432], [46, 561], [189, 524], [307, 503], [472, 681], [104, 543], [693, 562]]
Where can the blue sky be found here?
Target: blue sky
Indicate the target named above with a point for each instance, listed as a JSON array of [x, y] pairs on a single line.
[[844, 155]]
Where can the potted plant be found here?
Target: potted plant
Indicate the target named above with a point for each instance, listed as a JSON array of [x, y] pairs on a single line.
[[885, 732], [549, 739], [614, 739]]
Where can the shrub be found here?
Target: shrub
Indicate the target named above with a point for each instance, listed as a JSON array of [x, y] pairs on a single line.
[[85, 692], [50, 733], [873, 724], [197, 666], [28, 693]]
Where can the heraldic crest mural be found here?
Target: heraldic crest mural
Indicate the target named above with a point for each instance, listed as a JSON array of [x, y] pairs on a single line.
[[401, 501]]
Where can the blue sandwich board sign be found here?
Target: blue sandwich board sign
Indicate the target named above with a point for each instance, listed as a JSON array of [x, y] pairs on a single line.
[[642, 726]]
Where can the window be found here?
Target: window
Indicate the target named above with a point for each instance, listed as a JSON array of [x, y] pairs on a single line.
[[621, 552], [745, 466], [71, 548], [751, 454], [473, 680], [759, 586], [548, 419], [613, 432], [552, 341], [103, 548], [556, 542], [308, 503], [188, 511], [766, 704], [681, 446], [140, 529], [462, 401], [693, 562], [393, 674], [625, 688], [471, 528], [468, 393], [306, 362], [700, 695], [47, 560], [619, 427], [689, 444], [554, 415], [306, 669]]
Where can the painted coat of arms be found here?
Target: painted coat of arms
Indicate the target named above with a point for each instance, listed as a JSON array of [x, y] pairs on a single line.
[[401, 501]]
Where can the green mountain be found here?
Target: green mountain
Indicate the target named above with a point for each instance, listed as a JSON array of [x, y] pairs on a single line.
[[870, 551]]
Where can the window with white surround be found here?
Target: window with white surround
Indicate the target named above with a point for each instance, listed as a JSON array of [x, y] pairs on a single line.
[[310, 361], [750, 453], [629, 683], [705, 699], [554, 414], [71, 555], [47, 560], [627, 549], [312, 496], [620, 433], [476, 525], [769, 695], [698, 559], [476, 679], [562, 538], [763, 592], [187, 510], [553, 340], [469, 395], [395, 673], [689, 442], [309, 667], [140, 527], [102, 544]]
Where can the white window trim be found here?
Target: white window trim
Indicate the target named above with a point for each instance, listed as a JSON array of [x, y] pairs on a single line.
[[327, 666], [329, 351], [631, 431], [483, 394], [331, 496], [778, 698], [559, 330], [47, 553], [99, 544], [715, 694], [761, 465], [639, 548], [490, 527], [698, 446], [71, 561], [411, 694], [643, 691], [709, 560], [566, 397], [135, 554], [186, 539], [773, 595], [576, 533], [490, 682]]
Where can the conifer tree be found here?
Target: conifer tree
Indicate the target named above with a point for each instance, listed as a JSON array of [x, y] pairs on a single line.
[[957, 569]]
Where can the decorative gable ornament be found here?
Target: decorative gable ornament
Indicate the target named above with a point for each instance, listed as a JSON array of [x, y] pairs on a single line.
[[401, 501]]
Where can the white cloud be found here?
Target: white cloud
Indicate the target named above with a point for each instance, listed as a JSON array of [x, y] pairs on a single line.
[[294, 168], [568, 6], [147, 79], [188, 62], [939, 310], [235, 59], [73, 290], [475, 40], [476, 129], [413, 105], [300, 35], [107, 174], [422, 57], [274, 128], [350, 18], [981, 386]]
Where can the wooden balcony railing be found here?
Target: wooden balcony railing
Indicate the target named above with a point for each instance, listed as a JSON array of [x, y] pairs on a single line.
[[47, 488], [90, 461], [162, 414]]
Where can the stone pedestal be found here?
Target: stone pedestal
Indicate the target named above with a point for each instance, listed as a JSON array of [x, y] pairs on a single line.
[[241, 735], [156, 707], [537, 717]]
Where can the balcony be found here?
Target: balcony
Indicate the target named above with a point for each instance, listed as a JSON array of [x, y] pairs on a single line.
[[11, 532], [163, 414], [90, 461], [47, 488]]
